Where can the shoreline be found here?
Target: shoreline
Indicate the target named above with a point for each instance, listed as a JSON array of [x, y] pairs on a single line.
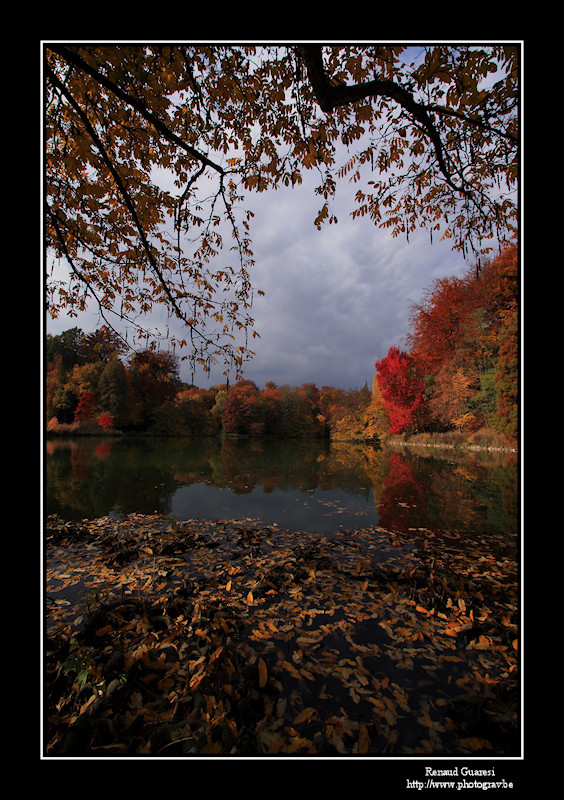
[[67, 432], [457, 446]]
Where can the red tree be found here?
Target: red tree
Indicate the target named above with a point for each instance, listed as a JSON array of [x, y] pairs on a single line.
[[86, 405], [402, 389], [243, 409], [440, 322]]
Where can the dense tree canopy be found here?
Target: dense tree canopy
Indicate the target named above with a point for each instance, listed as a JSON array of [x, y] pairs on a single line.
[[462, 368], [150, 151]]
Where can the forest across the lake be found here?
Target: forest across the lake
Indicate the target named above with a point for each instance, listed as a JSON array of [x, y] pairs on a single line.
[[460, 376]]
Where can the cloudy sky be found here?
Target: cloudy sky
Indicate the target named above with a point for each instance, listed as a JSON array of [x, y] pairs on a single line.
[[336, 299]]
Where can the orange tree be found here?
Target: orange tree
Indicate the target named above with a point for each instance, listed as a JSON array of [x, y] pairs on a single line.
[[464, 337], [151, 149]]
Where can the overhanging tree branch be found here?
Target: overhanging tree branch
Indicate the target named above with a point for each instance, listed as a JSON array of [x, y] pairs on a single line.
[[439, 151], [73, 58], [331, 96], [127, 201]]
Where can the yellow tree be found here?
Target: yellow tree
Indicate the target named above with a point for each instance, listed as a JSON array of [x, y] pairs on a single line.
[[151, 149], [452, 390]]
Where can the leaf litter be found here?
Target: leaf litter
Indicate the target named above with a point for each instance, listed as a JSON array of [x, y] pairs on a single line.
[[226, 638]]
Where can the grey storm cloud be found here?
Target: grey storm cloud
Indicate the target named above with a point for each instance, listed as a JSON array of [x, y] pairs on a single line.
[[336, 299]]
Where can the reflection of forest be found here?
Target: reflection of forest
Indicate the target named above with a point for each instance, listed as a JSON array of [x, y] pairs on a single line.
[[443, 490], [450, 490]]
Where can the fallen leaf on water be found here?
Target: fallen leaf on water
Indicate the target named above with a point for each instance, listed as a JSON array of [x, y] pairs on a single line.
[[262, 673], [290, 668], [211, 747], [305, 715], [363, 739], [477, 744]]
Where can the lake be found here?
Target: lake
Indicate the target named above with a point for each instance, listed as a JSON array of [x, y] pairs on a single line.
[[313, 485]]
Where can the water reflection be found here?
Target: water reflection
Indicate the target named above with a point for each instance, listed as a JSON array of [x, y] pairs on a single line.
[[313, 484]]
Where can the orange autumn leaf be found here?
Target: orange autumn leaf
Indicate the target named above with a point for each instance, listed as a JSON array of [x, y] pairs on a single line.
[[425, 719], [196, 680], [305, 715], [216, 653], [276, 746], [363, 739], [298, 743], [290, 668], [211, 747], [477, 744], [263, 673]]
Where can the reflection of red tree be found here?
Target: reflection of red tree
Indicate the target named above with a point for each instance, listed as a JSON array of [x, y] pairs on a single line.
[[80, 463], [103, 450], [402, 503]]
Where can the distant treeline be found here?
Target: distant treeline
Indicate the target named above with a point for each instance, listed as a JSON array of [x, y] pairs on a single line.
[[90, 388], [460, 373]]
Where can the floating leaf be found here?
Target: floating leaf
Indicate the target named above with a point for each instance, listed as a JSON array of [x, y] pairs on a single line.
[[212, 747], [290, 668], [305, 715], [474, 743], [363, 739], [262, 673]]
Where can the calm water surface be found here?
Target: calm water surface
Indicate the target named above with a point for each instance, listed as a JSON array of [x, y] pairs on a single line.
[[311, 485]]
